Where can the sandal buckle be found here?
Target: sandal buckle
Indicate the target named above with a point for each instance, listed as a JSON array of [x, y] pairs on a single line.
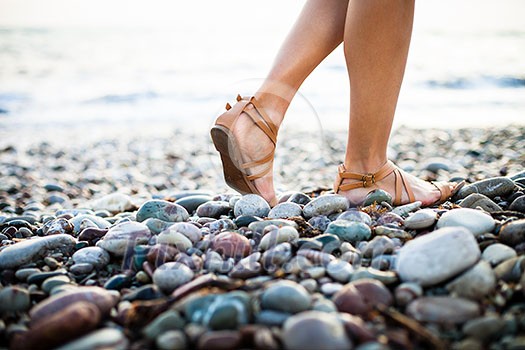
[[368, 180]]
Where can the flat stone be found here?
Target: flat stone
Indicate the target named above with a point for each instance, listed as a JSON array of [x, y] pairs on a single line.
[[493, 187], [124, 236], [349, 231], [171, 275], [443, 309], [286, 296], [476, 221], [251, 204], [422, 218], [285, 210], [437, 256], [315, 330], [497, 253], [475, 200], [475, 283], [95, 256], [512, 233], [325, 205], [163, 210], [32, 250]]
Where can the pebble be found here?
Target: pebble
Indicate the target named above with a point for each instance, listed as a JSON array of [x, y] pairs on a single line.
[[124, 236], [377, 246], [492, 187], [95, 256], [286, 296], [518, 204], [192, 202], [355, 215], [172, 340], [278, 235], [31, 250], [231, 245], [251, 204], [512, 233], [476, 221], [421, 219], [349, 231], [105, 338], [167, 321], [475, 283], [484, 328], [325, 205], [259, 226], [315, 330], [172, 275], [114, 203], [360, 297], [437, 256], [407, 292], [213, 209], [174, 238], [497, 253], [443, 309], [14, 299], [339, 270], [478, 200], [163, 210], [55, 281], [80, 220], [23, 274], [285, 210], [377, 196]]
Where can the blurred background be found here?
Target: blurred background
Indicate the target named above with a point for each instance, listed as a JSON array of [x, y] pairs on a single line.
[[133, 64]]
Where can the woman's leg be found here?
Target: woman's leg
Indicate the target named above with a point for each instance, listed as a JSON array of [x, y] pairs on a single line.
[[317, 32], [376, 41]]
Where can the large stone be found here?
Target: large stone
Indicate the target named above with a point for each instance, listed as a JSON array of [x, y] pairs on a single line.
[[285, 210], [315, 330], [286, 296], [162, 210], [476, 221], [349, 231], [251, 204], [325, 205], [422, 218], [32, 250], [124, 236], [493, 187], [444, 310], [437, 256]]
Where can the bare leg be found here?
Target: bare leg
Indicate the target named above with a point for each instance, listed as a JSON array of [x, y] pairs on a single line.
[[377, 38], [317, 32]]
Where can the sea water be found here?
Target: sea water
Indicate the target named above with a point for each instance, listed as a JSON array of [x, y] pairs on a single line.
[[97, 63]]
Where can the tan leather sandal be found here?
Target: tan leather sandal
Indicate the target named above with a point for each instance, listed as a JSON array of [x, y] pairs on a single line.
[[236, 172], [367, 180]]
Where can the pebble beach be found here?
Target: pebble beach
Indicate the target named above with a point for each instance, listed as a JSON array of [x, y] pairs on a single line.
[[131, 240]]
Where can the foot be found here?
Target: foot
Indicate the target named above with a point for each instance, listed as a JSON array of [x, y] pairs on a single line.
[[254, 145], [423, 191]]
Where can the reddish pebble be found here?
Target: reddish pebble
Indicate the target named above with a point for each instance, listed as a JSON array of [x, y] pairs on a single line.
[[231, 245]]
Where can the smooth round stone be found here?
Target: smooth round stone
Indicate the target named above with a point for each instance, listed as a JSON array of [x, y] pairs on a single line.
[[356, 215], [325, 205], [475, 283], [325, 305], [484, 328], [231, 245], [172, 275], [174, 238], [95, 256], [422, 218], [192, 232], [163, 210], [114, 203], [512, 233], [493, 187], [476, 200], [518, 204], [443, 309], [510, 270], [315, 272], [379, 245], [339, 270], [245, 220], [40, 277], [117, 282], [259, 226], [497, 253], [476, 221], [377, 196], [320, 222], [286, 296], [191, 203], [435, 165], [360, 297], [437, 256], [105, 338], [124, 236], [79, 219], [251, 204], [349, 231], [14, 299], [172, 340], [278, 235], [32, 250], [156, 226], [285, 210], [213, 209], [330, 289], [23, 274], [52, 282], [146, 292], [81, 269], [315, 330], [407, 292], [166, 321], [219, 340], [271, 318]]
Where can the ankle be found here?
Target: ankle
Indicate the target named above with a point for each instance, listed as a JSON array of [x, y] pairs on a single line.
[[364, 165], [274, 105]]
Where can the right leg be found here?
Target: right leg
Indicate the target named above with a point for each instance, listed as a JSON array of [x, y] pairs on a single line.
[[317, 32]]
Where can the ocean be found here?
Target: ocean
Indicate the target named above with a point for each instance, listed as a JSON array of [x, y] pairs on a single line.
[[66, 64]]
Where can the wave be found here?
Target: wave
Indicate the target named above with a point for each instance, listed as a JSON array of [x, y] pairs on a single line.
[[123, 98], [478, 82]]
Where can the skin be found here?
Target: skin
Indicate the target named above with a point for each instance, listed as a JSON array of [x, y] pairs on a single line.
[[376, 38]]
